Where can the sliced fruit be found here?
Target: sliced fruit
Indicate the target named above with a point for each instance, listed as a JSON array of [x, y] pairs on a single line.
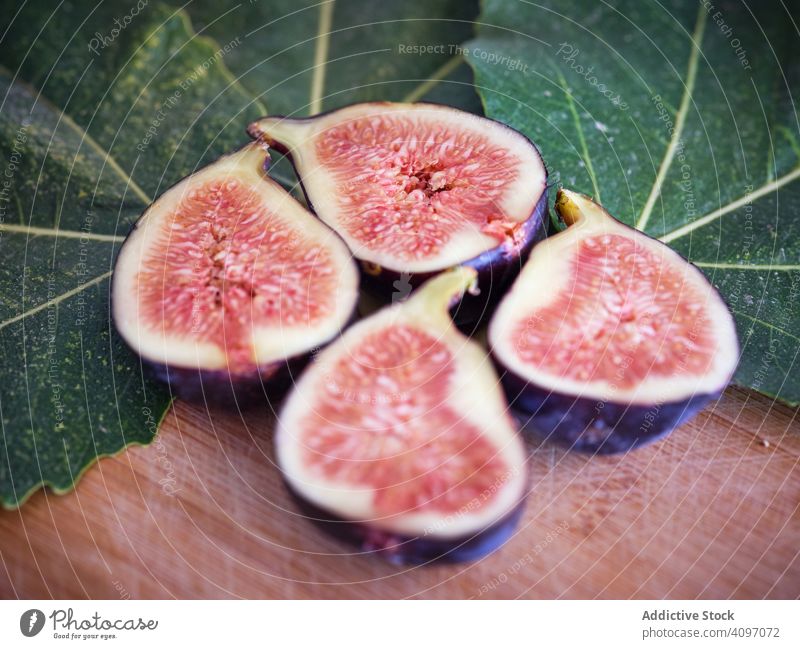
[[621, 342], [398, 437], [227, 279], [415, 189]]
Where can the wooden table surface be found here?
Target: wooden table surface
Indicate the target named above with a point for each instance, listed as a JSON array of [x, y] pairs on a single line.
[[712, 511]]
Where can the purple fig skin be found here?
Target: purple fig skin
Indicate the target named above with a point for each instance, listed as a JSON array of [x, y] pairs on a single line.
[[592, 425], [405, 550], [612, 427], [221, 389], [497, 267]]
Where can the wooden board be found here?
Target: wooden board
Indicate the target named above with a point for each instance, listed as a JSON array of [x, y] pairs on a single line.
[[712, 511]]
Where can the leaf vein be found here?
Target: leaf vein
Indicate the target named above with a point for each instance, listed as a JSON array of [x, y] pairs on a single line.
[[423, 88], [768, 325], [579, 128], [85, 137], [680, 121], [55, 300], [730, 207], [54, 232], [321, 57], [761, 267]]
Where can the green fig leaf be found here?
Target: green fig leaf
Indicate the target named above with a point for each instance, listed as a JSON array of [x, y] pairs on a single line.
[[681, 119], [104, 107]]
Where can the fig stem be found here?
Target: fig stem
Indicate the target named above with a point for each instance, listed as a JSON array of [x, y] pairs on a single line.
[[276, 132], [567, 207], [574, 208], [448, 287], [254, 153]]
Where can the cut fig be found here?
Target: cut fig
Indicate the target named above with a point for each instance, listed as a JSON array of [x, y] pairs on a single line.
[[609, 339], [227, 282], [398, 438], [415, 189]]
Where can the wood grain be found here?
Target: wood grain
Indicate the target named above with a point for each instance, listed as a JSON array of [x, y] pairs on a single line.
[[712, 511]]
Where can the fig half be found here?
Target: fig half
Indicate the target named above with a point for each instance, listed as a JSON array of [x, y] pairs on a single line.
[[227, 282], [415, 189], [609, 339], [398, 438]]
